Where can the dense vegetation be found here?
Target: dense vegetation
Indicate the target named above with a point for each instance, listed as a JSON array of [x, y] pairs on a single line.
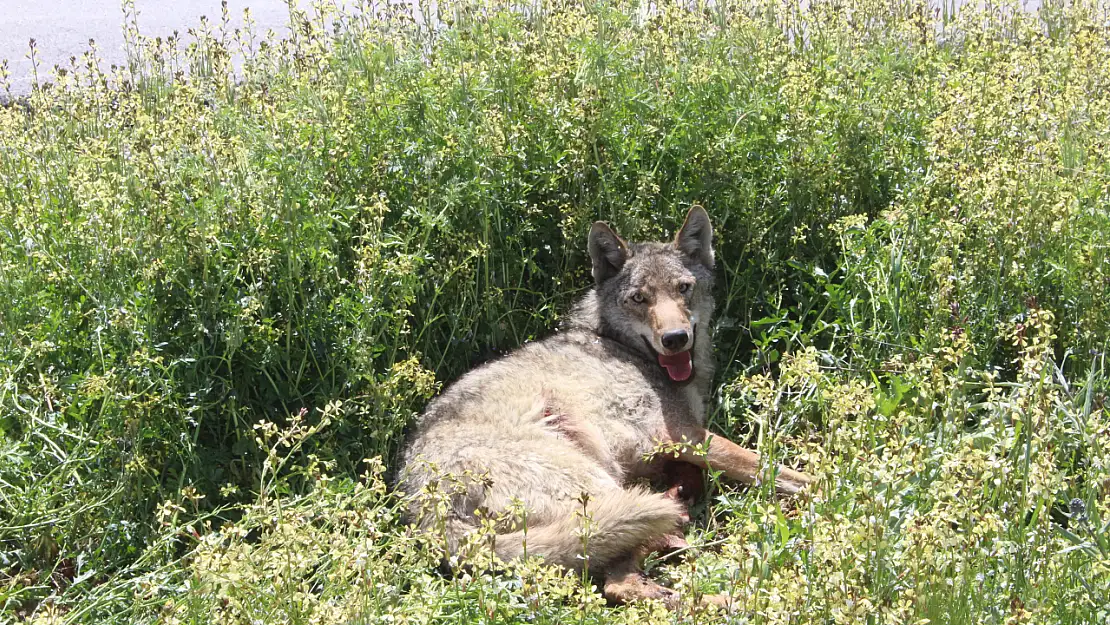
[[223, 290]]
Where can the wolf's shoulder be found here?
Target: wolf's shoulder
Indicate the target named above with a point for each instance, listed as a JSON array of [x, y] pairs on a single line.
[[571, 356]]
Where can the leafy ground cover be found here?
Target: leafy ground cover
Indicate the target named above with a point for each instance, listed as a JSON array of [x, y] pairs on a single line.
[[225, 294]]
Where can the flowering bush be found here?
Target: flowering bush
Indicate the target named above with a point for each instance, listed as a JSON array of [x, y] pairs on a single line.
[[235, 269]]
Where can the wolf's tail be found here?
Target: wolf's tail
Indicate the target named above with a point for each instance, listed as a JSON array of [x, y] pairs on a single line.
[[620, 521]]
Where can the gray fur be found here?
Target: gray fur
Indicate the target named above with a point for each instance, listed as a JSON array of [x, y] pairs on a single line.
[[577, 412]]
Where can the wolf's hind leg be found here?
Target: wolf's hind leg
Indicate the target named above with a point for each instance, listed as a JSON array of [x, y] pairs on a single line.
[[683, 484], [626, 582], [621, 520]]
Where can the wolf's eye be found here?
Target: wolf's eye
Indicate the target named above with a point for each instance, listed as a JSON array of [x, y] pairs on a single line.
[[638, 297], [684, 287]]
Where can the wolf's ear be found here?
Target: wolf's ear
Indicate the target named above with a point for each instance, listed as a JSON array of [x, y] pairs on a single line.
[[695, 239], [607, 251]]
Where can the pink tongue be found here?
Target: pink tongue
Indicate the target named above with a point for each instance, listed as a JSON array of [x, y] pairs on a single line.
[[678, 365]]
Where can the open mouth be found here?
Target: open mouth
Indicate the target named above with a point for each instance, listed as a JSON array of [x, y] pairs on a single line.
[[679, 366]]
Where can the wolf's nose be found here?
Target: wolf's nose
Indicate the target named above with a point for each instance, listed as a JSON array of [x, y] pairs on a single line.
[[675, 339]]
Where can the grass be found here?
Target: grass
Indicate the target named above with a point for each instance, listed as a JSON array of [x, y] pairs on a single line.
[[224, 299]]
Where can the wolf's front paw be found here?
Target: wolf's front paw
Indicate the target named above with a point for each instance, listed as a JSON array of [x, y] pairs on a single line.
[[789, 482], [723, 602]]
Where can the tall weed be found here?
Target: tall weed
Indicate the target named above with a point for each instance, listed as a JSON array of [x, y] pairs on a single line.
[[912, 224]]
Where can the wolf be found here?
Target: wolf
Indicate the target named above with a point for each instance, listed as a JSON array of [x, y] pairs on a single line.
[[565, 427]]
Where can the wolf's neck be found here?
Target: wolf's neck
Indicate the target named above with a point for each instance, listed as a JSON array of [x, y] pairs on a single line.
[[584, 314]]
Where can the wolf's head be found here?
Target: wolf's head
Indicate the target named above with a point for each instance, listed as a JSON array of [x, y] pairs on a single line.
[[657, 298]]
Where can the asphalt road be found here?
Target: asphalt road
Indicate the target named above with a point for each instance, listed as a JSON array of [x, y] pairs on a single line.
[[62, 28]]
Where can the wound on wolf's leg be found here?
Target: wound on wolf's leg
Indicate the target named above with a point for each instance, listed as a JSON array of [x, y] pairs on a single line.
[[681, 482], [666, 546]]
